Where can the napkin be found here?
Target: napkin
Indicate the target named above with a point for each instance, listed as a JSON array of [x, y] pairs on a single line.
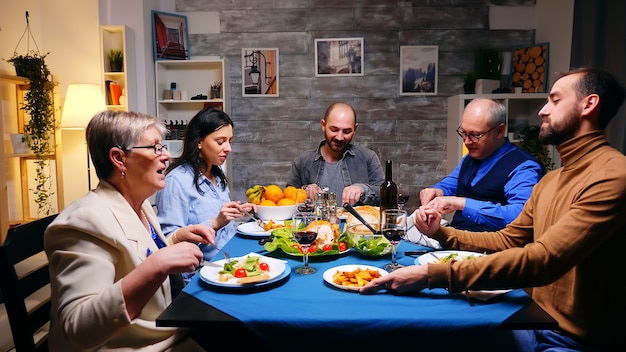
[[415, 236]]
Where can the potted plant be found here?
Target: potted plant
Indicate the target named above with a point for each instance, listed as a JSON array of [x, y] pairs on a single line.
[[39, 105], [116, 60], [529, 137], [469, 83]]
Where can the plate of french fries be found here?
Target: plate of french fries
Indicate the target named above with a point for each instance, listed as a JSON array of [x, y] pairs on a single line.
[[351, 277]]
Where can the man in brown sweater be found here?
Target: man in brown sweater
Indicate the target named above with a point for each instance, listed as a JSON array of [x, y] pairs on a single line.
[[569, 240]]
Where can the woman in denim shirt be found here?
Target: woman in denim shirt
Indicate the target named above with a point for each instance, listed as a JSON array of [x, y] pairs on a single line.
[[196, 188]]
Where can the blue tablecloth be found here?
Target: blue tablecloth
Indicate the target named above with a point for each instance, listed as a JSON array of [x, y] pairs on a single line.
[[305, 307]]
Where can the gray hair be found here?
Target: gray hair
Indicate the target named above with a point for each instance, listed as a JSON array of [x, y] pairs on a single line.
[[108, 129], [496, 110]]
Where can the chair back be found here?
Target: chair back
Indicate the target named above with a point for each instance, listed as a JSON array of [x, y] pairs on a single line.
[[25, 283]]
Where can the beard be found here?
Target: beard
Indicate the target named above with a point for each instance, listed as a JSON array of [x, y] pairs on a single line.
[[555, 133], [337, 146]]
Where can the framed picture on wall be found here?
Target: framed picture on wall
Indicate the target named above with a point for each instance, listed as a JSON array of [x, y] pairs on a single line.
[[418, 69], [529, 66], [259, 72], [339, 57], [170, 36]]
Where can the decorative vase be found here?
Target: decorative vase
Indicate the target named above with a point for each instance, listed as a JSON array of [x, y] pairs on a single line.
[[19, 143], [116, 66]]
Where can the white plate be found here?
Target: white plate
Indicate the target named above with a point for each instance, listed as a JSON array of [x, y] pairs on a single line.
[[210, 273], [431, 257], [252, 229], [481, 295], [328, 274]]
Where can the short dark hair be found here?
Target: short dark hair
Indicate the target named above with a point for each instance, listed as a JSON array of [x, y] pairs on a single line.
[[605, 85], [333, 105]]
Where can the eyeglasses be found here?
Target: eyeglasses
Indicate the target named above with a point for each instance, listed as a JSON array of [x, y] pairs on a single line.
[[158, 148], [473, 137]]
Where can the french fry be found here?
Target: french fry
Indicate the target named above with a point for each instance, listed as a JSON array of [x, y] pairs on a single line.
[[355, 278]]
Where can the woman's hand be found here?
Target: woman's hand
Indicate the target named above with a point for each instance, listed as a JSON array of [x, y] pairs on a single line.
[[199, 233]]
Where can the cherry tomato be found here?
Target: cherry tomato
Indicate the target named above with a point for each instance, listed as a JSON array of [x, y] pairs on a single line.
[[342, 246], [241, 272], [264, 266], [327, 247], [312, 248], [298, 247]]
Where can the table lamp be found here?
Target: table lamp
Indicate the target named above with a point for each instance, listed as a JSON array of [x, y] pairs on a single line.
[[82, 102]]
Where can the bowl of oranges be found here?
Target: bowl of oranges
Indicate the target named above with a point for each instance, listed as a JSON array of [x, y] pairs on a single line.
[[274, 202]]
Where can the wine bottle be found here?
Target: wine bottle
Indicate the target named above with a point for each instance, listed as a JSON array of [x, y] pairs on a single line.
[[388, 191]]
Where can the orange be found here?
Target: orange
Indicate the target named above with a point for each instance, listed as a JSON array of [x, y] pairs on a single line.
[[268, 203], [290, 192], [273, 193], [300, 195], [286, 201]]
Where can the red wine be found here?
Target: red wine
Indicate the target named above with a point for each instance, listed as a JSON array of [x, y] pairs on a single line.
[[393, 234], [388, 191], [402, 199], [305, 237]]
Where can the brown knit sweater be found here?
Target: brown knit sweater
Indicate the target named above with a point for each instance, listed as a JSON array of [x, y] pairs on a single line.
[[569, 243]]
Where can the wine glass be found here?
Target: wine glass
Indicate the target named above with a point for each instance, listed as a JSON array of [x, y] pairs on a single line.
[[394, 229], [403, 195], [304, 230]]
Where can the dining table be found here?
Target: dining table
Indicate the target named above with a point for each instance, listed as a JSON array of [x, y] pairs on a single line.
[[304, 312]]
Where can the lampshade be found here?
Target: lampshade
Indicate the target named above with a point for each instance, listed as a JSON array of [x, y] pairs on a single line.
[[82, 102]]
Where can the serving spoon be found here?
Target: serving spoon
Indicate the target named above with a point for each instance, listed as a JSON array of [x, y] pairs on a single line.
[[356, 214]]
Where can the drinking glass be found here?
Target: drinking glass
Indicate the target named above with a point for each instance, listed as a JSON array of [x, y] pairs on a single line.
[[304, 230], [403, 195], [394, 229]]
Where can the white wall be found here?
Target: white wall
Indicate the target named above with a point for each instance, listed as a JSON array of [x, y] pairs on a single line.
[[553, 23]]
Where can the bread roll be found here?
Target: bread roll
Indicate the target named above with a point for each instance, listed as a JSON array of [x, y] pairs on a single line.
[[369, 213]]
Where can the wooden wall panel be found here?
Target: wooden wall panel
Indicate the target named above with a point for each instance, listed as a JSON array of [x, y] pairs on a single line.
[[410, 130]]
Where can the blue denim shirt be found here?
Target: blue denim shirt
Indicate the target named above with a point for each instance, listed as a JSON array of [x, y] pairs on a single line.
[[360, 167], [180, 204]]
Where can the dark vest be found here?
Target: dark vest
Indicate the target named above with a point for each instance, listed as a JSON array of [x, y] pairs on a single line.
[[489, 188]]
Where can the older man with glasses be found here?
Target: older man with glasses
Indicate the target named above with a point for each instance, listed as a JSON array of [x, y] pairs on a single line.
[[489, 187]]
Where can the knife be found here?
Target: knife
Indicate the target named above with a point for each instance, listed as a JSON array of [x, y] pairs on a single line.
[[356, 214]]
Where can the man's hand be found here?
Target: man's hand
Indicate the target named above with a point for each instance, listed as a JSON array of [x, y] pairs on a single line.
[[351, 194], [403, 280], [312, 190], [427, 220], [446, 204], [428, 194]]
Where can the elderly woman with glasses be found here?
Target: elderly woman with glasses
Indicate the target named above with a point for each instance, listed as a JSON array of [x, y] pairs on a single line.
[[488, 189], [112, 270], [196, 187]]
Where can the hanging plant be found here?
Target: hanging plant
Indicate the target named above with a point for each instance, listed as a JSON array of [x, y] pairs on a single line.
[[39, 105]]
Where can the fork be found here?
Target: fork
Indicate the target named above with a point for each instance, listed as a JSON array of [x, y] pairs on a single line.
[[258, 221], [226, 254]]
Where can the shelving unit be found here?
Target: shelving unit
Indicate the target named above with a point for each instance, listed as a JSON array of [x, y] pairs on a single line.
[[17, 169], [119, 37], [522, 111], [193, 77]]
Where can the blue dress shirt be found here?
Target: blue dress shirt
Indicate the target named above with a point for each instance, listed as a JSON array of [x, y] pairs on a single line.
[[517, 190], [180, 204]]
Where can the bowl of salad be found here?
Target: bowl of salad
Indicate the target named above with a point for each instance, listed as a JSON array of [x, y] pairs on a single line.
[[365, 242]]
